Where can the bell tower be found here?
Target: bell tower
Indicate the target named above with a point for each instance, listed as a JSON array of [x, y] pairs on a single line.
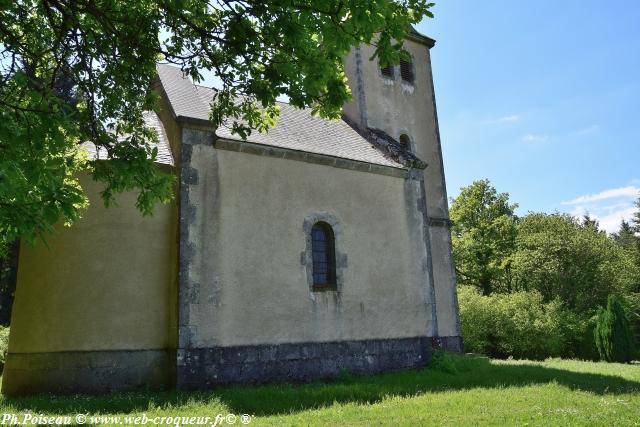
[[400, 101]]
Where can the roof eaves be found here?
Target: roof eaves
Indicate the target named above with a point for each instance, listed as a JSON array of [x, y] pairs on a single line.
[[420, 38], [308, 157], [195, 121]]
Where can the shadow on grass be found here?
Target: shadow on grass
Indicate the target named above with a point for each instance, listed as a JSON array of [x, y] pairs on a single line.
[[470, 372]]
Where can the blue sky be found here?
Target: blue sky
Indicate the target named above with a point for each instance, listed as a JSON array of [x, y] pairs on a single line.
[[542, 98]]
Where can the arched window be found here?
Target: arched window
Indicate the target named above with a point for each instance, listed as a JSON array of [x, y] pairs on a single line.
[[324, 256], [387, 71], [405, 141], [406, 67]]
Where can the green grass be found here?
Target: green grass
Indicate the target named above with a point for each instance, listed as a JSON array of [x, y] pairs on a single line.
[[460, 391]]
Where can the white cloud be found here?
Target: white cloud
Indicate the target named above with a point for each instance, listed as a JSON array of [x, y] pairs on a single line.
[[533, 138], [611, 222], [588, 130], [609, 207], [629, 192], [509, 119]]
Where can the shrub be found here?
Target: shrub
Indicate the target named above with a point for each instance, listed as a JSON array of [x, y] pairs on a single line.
[[578, 335], [528, 328], [612, 334], [476, 320], [4, 344], [632, 308], [518, 325], [443, 362]]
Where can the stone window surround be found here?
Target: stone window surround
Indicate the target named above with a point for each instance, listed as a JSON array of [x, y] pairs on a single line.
[[412, 143], [306, 257]]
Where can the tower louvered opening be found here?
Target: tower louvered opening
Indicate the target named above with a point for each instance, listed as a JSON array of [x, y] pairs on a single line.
[[387, 71], [406, 68]]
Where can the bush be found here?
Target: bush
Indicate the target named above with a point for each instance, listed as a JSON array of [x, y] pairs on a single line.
[[4, 344], [613, 335], [477, 320], [443, 362], [518, 325], [632, 308], [578, 333]]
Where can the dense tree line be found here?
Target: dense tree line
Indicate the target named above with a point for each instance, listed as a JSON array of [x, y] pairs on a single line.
[[549, 276]]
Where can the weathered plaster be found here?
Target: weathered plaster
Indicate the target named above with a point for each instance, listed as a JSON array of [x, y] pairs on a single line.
[[105, 285], [301, 156], [253, 262], [410, 108], [427, 259]]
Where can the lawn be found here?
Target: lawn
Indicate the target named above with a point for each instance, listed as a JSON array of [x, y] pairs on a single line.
[[456, 391]]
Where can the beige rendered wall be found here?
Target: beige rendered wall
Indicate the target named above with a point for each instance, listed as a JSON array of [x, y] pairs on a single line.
[[400, 108], [106, 283], [248, 231], [396, 108]]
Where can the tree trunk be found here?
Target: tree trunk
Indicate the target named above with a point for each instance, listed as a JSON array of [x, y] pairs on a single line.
[[8, 278]]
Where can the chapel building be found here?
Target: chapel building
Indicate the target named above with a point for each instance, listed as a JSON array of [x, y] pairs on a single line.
[[318, 247]]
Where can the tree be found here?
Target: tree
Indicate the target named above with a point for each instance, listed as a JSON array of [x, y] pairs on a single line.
[[76, 71], [8, 278], [483, 233], [591, 223], [612, 334], [626, 236], [629, 240], [636, 218], [635, 229], [556, 255]]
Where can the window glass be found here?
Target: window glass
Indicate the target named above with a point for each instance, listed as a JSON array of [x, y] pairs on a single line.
[[322, 247]]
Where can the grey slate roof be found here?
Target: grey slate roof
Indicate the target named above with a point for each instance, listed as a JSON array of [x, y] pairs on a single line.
[[152, 120], [296, 130]]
